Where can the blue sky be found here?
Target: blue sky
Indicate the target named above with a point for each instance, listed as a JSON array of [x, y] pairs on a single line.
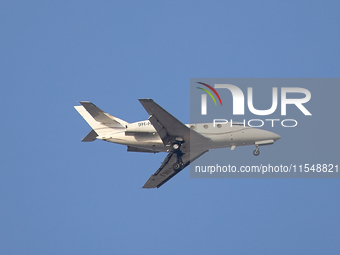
[[61, 196]]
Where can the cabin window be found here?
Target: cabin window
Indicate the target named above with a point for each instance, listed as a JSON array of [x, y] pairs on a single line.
[[219, 125], [205, 126]]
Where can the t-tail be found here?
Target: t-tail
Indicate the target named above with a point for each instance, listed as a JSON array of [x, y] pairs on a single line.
[[101, 122]]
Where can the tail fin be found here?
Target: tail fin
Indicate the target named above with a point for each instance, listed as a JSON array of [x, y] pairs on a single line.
[[101, 122]]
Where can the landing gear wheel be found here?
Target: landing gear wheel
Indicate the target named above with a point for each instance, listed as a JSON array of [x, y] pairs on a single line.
[[256, 152], [175, 146], [177, 166]]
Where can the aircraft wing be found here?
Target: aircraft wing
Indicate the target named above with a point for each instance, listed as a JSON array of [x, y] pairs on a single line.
[[171, 130], [168, 127], [167, 171]]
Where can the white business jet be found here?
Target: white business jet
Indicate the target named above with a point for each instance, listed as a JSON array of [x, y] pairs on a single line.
[[162, 132]]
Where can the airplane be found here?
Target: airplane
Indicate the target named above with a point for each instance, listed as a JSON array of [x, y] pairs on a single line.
[[162, 132]]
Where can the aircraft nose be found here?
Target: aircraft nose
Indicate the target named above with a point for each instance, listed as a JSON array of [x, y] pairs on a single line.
[[268, 135], [264, 135], [275, 136]]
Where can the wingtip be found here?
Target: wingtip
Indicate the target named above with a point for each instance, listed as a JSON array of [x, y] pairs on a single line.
[[145, 99], [84, 102]]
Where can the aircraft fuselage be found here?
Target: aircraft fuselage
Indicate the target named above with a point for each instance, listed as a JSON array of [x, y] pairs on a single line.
[[142, 134], [162, 132]]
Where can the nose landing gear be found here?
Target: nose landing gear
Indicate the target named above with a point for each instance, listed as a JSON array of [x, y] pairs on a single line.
[[256, 152]]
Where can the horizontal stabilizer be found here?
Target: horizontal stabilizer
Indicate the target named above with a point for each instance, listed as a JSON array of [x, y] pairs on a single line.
[[100, 116], [90, 136]]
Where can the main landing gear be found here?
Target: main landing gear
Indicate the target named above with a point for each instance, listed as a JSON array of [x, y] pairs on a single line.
[[177, 166], [176, 150], [256, 152], [175, 146]]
